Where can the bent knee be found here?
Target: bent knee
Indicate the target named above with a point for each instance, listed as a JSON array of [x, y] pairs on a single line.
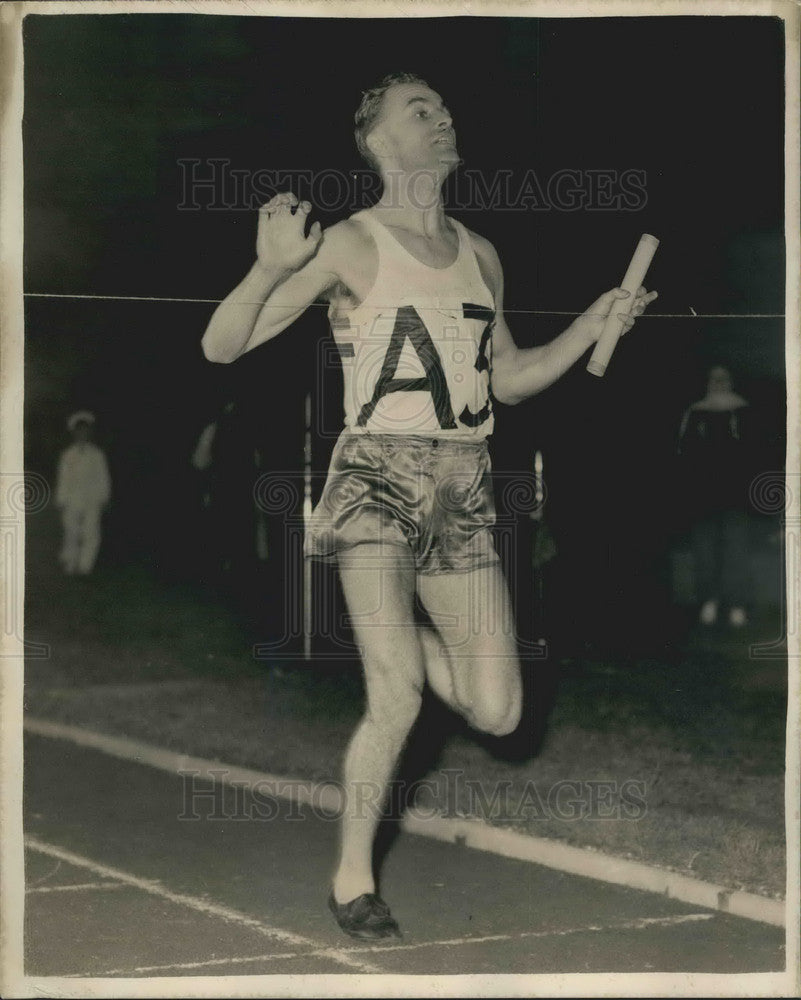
[[498, 719], [508, 724]]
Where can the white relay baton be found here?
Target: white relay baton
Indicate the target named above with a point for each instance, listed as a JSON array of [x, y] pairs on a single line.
[[613, 327]]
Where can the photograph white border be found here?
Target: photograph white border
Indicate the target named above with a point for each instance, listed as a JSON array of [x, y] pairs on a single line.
[[13, 983]]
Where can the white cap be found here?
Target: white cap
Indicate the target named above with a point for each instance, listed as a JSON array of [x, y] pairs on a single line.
[[81, 417]]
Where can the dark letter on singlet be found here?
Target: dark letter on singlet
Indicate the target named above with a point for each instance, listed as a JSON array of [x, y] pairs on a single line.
[[470, 311], [409, 325]]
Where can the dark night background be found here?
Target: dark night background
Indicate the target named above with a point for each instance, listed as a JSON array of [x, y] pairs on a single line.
[[112, 103]]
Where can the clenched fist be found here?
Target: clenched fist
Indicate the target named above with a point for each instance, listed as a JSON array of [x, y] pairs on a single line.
[[592, 320], [281, 240]]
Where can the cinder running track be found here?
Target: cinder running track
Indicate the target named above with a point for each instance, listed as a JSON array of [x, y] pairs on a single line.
[[119, 885]]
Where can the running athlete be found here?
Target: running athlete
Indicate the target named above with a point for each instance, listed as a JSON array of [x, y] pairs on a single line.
[[416, 309]]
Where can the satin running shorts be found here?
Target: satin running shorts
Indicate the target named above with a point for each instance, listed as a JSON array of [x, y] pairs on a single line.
[[432, 496]]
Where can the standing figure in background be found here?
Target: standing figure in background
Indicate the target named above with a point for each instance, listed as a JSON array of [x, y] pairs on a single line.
[[228, 463], [715, 447], [83, 489]]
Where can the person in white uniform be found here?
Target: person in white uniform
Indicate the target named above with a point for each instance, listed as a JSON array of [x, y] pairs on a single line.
[[83, 488], [416, 308]]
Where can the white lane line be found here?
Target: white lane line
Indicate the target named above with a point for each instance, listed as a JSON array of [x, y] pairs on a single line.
[[77, 887], [320, 795], [473, 833], [203, 906], [640, 923]]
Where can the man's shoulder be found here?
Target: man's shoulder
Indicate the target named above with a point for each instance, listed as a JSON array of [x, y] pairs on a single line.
[[348, 231], [489, 263], [347, 253], [484, 249], [343, 241], [733, 404], [478, 241]]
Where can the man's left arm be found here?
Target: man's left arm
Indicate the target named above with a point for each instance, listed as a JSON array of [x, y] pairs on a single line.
[[518, 373]]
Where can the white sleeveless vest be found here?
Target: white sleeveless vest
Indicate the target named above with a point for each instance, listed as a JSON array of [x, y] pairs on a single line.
[[416, 352]]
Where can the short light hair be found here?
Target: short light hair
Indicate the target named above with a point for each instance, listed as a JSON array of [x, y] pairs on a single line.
[[369, 110]]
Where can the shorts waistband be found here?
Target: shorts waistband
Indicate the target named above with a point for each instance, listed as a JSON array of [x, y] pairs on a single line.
[[431, 441]]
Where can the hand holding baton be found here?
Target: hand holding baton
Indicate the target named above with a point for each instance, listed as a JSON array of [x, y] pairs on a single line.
[[613, 327]]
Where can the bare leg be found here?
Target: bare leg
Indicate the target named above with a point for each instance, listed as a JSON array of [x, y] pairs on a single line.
[[470, 660], [438, 667], [379, 590], [71, 519], [473, 616], [90, 541]]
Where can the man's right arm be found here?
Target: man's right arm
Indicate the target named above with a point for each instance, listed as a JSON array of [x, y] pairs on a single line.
[[290, 272]]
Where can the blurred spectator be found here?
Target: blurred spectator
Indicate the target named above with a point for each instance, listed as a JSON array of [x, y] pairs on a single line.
[[228, 462], [83, 488], [716, 449], [202, 458]]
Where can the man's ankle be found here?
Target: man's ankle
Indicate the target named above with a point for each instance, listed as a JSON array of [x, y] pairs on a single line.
[[349, 887]]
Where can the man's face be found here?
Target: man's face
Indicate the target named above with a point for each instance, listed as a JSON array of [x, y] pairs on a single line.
[[82, 432], [415, 130]]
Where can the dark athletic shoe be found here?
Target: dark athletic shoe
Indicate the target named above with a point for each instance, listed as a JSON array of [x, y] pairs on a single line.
[[367, 917]]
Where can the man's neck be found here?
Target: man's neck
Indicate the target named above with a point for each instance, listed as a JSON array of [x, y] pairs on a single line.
[[413, 202]]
